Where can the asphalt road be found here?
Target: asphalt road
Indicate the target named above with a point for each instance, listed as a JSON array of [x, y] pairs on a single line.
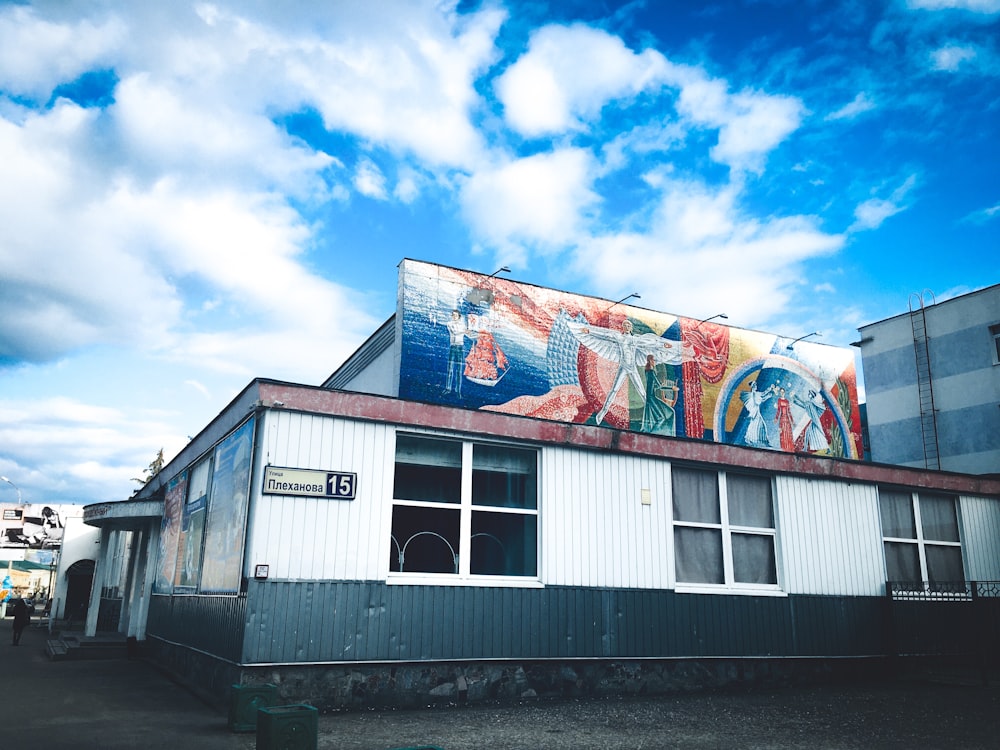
[[117, 703]]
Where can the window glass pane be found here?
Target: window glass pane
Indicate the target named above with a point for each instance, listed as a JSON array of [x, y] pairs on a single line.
[[902, 562], [198, 488], [753, 559], [698, 555], [749, 500], [503, 544], [944, 563], [504, 477], [897, 516], [424, 540], [428, 469], [938, 518], [695, 495]]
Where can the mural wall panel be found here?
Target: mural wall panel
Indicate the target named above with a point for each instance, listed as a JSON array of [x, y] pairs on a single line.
[[488, 343]]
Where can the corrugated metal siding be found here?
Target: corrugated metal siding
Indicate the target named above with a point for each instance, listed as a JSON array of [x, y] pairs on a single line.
[[313, 538], [213, 624], [595, 529], [830, 538], [370, 621], [981, 537]]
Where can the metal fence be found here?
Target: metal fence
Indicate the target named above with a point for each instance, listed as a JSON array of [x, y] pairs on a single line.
[[958, 620]]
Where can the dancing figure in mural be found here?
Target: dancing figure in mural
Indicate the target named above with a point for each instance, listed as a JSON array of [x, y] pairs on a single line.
[[815, 437], [753, 399], [783, 416], [629, 351]]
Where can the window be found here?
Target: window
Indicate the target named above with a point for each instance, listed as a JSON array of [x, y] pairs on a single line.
[[920, 535], [463, 509], [995, 333], [724, 532]]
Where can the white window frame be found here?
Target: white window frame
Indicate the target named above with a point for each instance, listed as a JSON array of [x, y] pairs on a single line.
[[919, 539], [730, 586], [465, 508], [995, 336]]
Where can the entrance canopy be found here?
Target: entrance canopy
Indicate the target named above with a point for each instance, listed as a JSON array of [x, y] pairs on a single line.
[[126, 515]]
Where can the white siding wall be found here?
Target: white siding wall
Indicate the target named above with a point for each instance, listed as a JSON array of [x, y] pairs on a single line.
[[595, 531], [981, 537], [829, 536], [312, 538]]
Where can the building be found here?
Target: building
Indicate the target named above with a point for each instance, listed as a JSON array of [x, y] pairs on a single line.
[[434, 524], [932, 377]]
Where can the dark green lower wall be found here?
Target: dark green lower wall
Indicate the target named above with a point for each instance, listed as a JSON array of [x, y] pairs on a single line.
[[337, 621], [371, 621], [356, 644]]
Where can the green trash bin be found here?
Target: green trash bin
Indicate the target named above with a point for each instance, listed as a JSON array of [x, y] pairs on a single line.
[[245, 701], [287, 728]]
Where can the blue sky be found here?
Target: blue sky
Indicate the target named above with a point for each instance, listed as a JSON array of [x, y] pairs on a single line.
[[193, 194]]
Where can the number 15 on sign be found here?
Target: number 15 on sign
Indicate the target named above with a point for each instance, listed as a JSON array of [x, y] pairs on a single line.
[[340, 485]]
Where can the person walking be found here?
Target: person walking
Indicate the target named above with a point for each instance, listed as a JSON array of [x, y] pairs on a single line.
[[21, 619]]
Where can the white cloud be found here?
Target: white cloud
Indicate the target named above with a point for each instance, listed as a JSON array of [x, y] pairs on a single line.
[[568, 74], [37, 54], [750, 123], [951, 57], [699, 234], [369, 180], [537, 200], [52, 444], [983, 215], [860, 104], [871, 213], [976, 6]]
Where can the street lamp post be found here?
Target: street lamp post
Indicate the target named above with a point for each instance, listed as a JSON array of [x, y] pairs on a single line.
[[19, 501]]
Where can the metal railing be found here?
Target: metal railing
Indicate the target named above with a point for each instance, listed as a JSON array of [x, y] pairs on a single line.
[[942, 590]]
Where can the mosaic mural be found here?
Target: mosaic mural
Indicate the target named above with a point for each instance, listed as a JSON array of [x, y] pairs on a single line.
[[490, 343]]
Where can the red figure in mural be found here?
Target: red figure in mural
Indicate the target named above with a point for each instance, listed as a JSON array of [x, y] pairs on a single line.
[[485, 361], [710, 343], [784, 419]]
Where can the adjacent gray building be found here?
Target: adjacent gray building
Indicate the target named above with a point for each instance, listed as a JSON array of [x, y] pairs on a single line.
[[932, 377]]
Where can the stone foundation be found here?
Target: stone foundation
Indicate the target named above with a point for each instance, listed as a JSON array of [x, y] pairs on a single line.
[[412, 685]]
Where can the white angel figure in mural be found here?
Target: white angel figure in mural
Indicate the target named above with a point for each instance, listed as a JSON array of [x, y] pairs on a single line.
[[630, 351]]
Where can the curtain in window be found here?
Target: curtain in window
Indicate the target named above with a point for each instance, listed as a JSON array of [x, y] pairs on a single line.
[[902, 562], [753, 559], [944, 563], [938, 519], [695, 496], [896, 509], [698, 555], [749, 501]]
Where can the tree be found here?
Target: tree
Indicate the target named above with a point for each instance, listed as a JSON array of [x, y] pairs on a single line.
[[152, 470]]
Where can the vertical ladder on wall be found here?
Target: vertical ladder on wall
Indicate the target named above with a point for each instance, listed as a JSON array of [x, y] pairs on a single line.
[[925, 383]]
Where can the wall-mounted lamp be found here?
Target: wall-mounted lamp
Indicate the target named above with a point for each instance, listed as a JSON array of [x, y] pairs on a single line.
[[502, 269], [635, 295], [720, 315], [814, 333], [19, 501]]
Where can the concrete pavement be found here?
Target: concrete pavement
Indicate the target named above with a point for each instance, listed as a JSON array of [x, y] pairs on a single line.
[[109, 704]]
